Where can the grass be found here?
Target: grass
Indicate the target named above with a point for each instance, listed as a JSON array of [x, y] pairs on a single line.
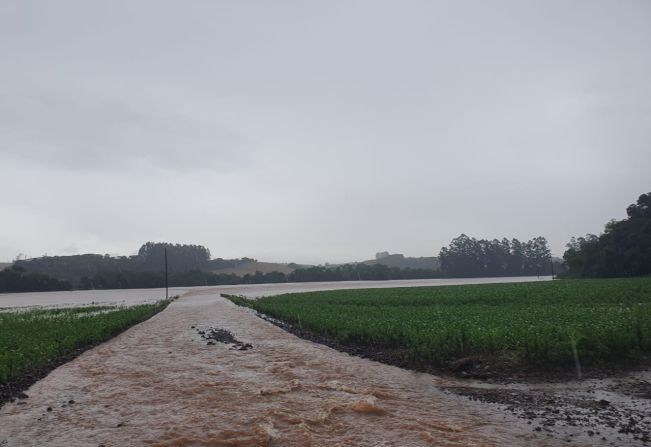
[[36, 338], [533, 324]]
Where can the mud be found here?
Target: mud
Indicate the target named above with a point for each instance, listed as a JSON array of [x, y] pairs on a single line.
[[573, 413], [213, 335]]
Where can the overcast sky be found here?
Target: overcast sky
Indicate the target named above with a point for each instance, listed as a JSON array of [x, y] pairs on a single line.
[[316, 131]]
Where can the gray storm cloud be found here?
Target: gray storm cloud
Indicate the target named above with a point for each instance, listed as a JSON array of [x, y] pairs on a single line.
[[318, 131]]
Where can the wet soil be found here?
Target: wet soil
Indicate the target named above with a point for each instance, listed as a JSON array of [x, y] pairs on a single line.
[[568, 414], [609, 406], [212, 335]]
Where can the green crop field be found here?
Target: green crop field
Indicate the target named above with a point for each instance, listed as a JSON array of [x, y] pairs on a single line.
[[535, 324], [33, 338]]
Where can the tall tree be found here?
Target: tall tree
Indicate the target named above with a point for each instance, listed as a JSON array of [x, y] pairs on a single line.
[[469, 257], [538, 256], [181, 257], [623, 249]]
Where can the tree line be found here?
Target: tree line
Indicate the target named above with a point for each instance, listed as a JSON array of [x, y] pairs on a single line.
[[17, 279], [150, 258], [357, 272], [348, 272], [470, 257], [32, 281], [623, 249]]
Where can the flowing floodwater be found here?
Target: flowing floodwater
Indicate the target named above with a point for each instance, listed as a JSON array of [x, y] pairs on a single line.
[[160, 384]]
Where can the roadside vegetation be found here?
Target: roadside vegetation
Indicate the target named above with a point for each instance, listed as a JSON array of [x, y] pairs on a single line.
[[34, 341], [539, 325]]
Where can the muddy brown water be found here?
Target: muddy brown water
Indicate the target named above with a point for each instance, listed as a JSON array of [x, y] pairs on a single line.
[[160, 384]]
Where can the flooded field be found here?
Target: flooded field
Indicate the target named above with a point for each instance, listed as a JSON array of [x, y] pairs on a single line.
[[161, 383], [85, 297], [135, 296]]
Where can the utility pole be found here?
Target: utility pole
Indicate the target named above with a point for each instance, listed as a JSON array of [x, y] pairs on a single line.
[[552, 263], [166, 286]]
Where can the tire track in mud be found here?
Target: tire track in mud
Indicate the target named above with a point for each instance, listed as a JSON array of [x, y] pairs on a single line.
[[160, 384]]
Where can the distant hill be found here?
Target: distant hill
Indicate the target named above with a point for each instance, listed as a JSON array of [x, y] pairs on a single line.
[[401, 261], [4, 265], [91, 268], [150, 258]]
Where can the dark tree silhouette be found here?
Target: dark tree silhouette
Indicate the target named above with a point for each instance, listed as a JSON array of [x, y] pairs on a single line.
[[623, 249], [16, 279], [469, 257]]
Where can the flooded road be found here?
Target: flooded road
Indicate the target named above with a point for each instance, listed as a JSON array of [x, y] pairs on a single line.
[[161, 384]]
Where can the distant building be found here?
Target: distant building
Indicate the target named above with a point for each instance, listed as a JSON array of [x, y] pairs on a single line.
[[381, 255]]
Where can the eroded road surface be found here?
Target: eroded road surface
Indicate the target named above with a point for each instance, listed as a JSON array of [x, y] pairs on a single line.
[[162, 384]]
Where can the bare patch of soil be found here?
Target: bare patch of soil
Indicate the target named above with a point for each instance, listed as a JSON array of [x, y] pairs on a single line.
[[212, 335], [572, 413]]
